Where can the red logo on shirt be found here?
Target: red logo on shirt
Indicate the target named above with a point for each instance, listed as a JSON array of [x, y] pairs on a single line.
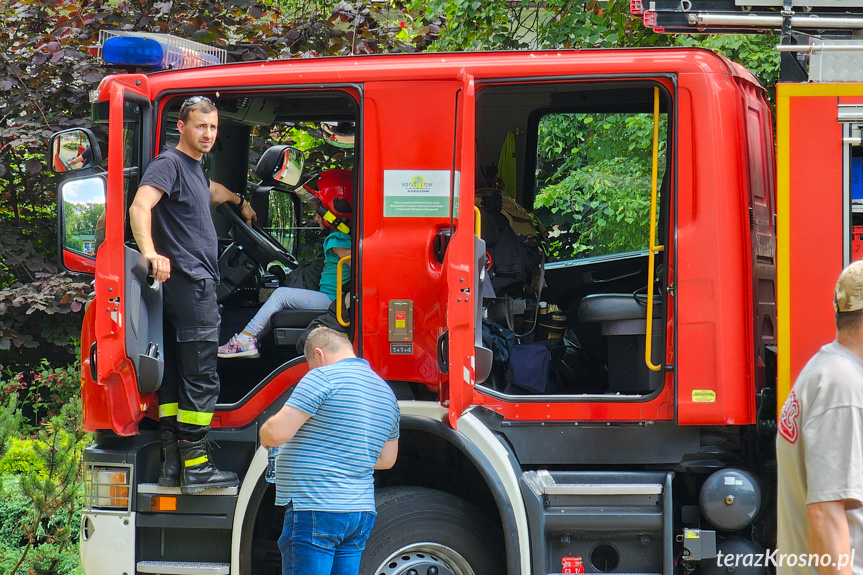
[[788, 418]]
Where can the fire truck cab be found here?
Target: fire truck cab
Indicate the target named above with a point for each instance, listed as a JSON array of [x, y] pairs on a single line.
[[618, 414]]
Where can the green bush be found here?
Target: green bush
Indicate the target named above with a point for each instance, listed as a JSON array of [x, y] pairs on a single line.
[[13, 508], [41, 490], [47, 559], [21, 459], [54, 555], [42, 392]]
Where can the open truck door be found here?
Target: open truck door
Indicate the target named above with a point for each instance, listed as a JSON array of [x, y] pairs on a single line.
[[127, 351], [469, 362]]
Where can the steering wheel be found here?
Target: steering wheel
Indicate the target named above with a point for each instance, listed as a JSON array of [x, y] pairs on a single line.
[[261, 246]]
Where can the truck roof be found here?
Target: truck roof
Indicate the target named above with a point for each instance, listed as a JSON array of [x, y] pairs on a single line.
[[484, 66]]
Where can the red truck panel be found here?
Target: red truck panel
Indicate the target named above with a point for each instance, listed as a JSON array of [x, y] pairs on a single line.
[[810, 224]]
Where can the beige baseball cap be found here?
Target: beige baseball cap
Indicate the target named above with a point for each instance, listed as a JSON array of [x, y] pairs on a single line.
[[848, 295]]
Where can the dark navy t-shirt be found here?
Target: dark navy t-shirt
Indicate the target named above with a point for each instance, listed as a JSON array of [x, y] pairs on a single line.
[[182, 226]]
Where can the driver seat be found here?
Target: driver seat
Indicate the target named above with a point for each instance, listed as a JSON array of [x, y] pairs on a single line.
[[289, 324], [623, 322]]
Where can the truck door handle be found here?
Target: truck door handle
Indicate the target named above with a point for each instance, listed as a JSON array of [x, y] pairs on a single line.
[[443, 352], [94, 373]]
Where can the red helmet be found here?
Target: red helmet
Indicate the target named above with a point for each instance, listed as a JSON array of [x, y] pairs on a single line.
[[336, 192]]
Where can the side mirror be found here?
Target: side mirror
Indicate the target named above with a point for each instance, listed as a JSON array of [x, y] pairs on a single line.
[[81, 229], [282, 164], [74, 149], [291, 167]]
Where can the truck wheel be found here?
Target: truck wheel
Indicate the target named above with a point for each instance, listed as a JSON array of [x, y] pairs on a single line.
[[424, 531]]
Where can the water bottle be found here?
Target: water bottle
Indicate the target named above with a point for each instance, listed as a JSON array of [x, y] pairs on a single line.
[[270, 473]]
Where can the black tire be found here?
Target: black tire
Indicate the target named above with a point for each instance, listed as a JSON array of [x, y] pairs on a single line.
[[417, 528]]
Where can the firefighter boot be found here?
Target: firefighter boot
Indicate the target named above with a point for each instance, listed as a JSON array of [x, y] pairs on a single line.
[[170, 476], [198, 471]]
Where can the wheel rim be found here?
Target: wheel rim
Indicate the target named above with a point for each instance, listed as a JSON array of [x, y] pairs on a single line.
[[425, 559]]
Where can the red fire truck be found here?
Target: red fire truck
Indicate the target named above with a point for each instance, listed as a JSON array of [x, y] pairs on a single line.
[[638, 441]]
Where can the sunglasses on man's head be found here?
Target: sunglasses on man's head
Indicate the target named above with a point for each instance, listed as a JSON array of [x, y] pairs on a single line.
[[194, 100]]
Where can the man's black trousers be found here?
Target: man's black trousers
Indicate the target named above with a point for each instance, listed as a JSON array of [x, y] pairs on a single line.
[[190, 387]]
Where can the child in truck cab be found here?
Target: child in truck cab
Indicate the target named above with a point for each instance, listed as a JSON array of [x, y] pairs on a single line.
[[335, 191]]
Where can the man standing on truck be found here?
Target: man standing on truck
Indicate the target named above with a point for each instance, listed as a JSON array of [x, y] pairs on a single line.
[[171, 221], [340, 423], [819, 448]]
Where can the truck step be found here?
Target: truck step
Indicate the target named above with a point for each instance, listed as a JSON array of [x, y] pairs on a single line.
[[621, 519], [606, 519], [156, 489], [551, 487], [183, 568]]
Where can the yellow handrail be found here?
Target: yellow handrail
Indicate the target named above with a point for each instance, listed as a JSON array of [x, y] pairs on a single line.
[[477, 222], [653, 248], [339, 295]]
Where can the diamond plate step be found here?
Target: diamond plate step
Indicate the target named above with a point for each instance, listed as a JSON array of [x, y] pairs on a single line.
[[183, 568], [550, 487], [156, 489], [603, 489]]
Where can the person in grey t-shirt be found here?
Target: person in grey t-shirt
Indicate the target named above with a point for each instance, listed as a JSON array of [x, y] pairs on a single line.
[[171, 221], [819, 449]]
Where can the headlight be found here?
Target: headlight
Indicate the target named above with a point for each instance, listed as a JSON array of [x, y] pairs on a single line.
[[107, 487]]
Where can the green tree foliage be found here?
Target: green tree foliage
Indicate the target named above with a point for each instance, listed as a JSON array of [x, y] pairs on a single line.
[[10, 421], [82, 218], [508, 25], [516, 25], [594, 181], [328, 28], [52, 492], [43, 391]]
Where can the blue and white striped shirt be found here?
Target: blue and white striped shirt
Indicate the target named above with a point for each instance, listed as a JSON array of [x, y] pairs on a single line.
[[327, 465]]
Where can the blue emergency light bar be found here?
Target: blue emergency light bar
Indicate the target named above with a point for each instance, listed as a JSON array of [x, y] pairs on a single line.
[[133, 51], [157, 51]]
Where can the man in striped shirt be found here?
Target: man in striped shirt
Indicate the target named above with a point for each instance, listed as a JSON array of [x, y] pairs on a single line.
[[340, 423]]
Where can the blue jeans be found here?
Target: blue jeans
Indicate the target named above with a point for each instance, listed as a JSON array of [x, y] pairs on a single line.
[[286, 298], [324, 543]]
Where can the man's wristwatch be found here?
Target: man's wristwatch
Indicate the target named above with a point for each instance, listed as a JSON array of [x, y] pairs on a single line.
[[242, 201]]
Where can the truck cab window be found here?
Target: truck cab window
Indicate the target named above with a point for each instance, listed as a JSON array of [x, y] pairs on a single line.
[[593, 182]]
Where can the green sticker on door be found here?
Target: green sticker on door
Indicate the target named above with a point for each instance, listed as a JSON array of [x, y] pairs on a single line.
[[416, 193]]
